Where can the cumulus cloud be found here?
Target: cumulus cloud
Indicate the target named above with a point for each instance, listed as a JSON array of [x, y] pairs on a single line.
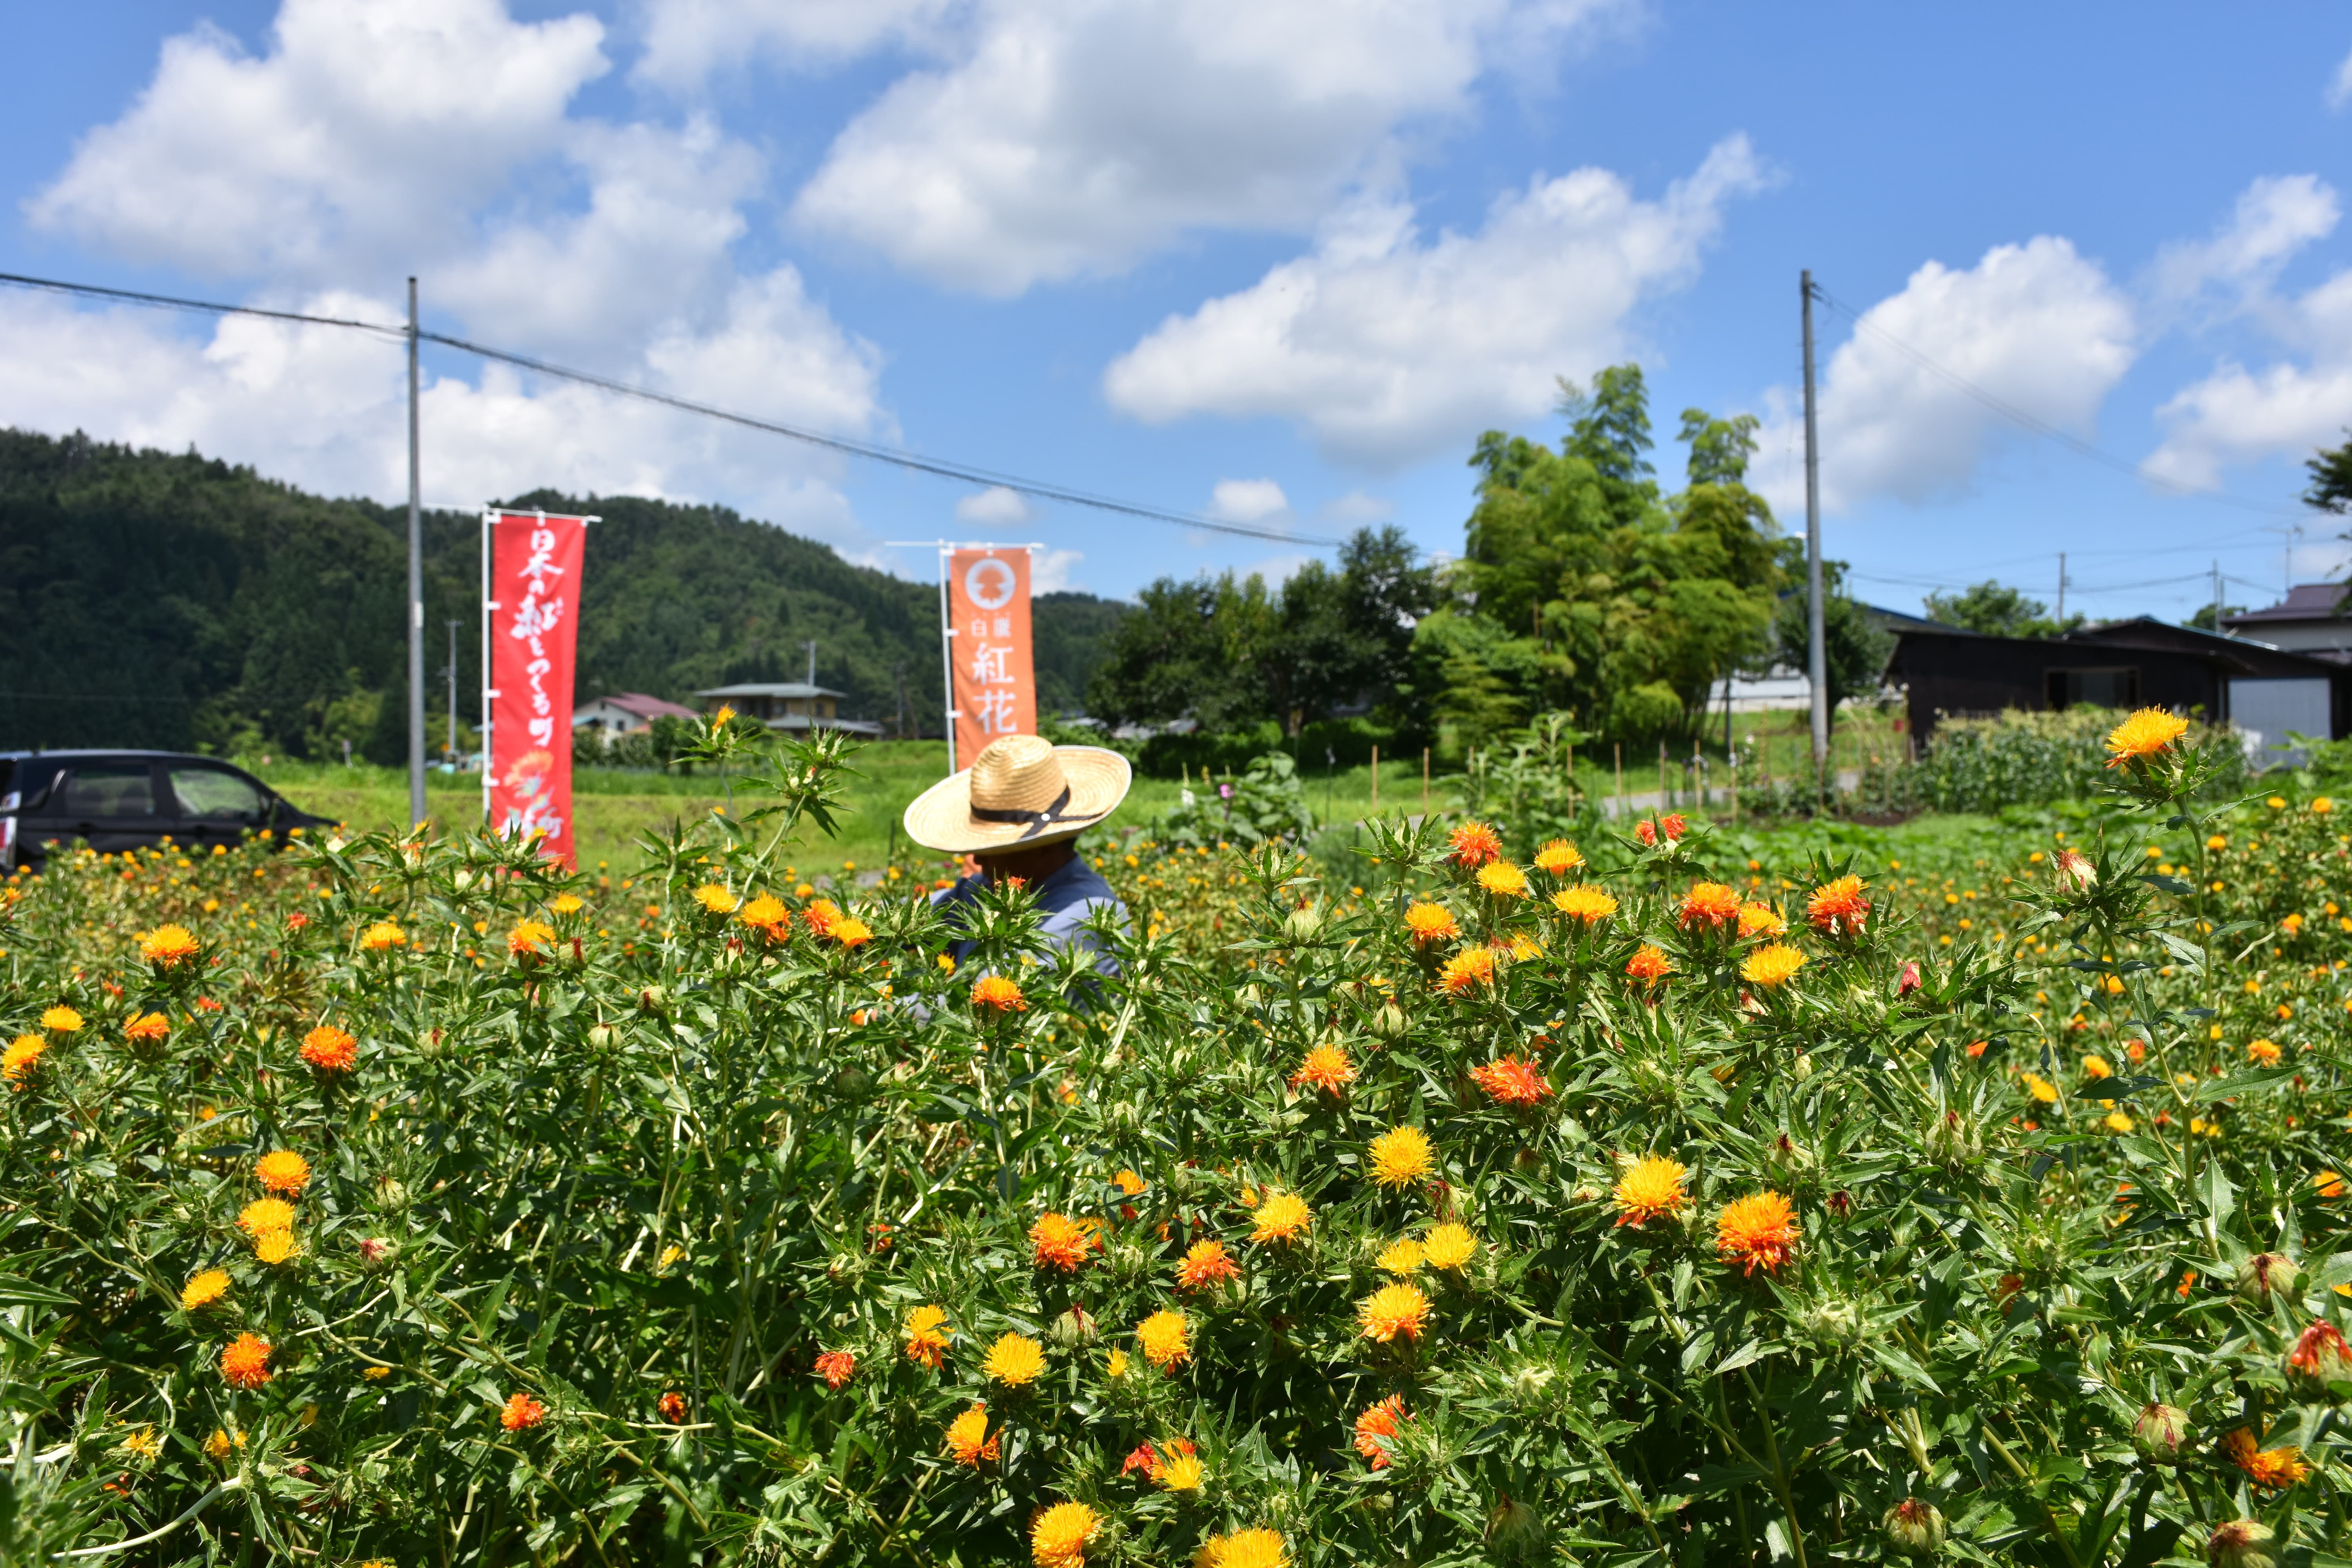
[[370, 141], [2274, 219], [1063, 138], [2037, 326], [2340, 87], [366, 130], [994, 507], [1247, 500], [1358, 510], [1053, 571], [688, 40], [1387, 348]]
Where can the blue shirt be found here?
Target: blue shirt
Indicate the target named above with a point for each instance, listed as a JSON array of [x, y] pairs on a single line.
[[1067, 898]]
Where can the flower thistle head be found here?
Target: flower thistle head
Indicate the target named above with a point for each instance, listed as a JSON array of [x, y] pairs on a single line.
[[2319, 1358], [1649, 965], [330, 1049], [1476, 845], [1837, 907], [1429, 924], [1059, 1536], [1015, 1360], [1393, 1310], [168, 946], [1165, 1338], [1282, 1217], [1400, 1157], [1326, 1068], [1759, 1231], [1652, 1189], [1206, 1263], [283, 1172], [1467, 971], [1771, 967], [1059, 1242], [1559, 858], [1502, 880], [1375, 1426], [1710, 906], [1514, 1082], [2147, 734], [1584, 904], [244, 1362]]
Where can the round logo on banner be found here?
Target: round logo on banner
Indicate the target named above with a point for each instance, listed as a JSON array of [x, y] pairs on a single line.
[[989, 584]]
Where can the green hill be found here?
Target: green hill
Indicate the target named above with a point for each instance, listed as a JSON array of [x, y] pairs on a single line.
[[150, 598]]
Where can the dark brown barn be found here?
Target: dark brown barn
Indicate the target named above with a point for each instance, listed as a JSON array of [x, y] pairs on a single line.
[[2139, 663]]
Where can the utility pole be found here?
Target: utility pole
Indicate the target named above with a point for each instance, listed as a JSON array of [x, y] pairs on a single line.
[[2062, 589], [1816, 651], [450, 750], [2219, 629], [416, 591]]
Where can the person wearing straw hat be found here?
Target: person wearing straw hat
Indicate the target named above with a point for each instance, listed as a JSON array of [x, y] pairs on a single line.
[[1018, 811]]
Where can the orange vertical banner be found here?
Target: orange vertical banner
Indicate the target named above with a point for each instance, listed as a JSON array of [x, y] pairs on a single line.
[[532, 607], [995, 684]]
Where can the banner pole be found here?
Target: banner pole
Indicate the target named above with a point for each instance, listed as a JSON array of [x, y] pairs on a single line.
[[946, 658]]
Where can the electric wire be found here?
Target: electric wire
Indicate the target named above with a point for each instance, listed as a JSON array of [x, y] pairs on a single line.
[[898, 457]]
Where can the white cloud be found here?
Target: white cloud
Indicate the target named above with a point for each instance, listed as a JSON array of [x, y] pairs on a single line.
[[2339, 89], [2034, 325], [995, 507], [1358, 510], [2237, 415], [1388, 348], [1053, 571], [1247, 500], [2274, 219], [1066, 138], [688, 40], [371, 140], [368, 130]]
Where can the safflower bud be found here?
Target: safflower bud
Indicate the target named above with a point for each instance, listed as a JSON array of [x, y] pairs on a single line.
[[1388, 1023], [2318, 1359], [1303, 923], [651, 999], [1914, 1527], [1514, 1528], [1072, 1330], [2261, 1275], [2243, 1543], [603, 1037], [1908, 981], [1834, 1324], [2161, 1434]]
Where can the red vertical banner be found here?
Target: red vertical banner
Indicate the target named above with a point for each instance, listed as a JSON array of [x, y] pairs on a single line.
[[533, 606], [995, 686]]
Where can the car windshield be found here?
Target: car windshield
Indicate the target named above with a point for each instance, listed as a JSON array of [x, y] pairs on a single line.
[[209, 791], [107, 789]]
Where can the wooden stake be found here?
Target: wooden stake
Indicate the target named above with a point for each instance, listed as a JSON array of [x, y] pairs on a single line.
[[1424, 780], [1376, 780], [1617, 750]]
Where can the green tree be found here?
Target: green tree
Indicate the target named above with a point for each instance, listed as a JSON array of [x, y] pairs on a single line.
[[2204, 619], [1997, 610], [2331, 478], [1854, 648]]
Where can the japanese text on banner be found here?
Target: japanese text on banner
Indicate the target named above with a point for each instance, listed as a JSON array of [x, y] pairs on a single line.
[[995, 687], [535, 591]]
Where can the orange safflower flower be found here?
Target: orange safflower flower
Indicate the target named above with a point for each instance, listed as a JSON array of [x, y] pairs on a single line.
[[1326, 1068], [1671, 827], [60, 1020], [206, 1288], [1710, 904], [382, 936], [2270, 1468], [1837, 908], [23, 1054], [2144, 735], [521, 1412], [263, 1215], [1015, 1360], [2329, 1183], [1503, 880], [1448, 1245], [852, 933], [1559, 858], [1511, 1080], [968, 1440], [1378, 1421], [1206, 1263], [926, 1341], [821, 916], [167, 945], [330, 1049], [836, 1367], [1281, 1217], [1652, 1190], [998, 995], [275, 1247], [1649, 965], [529, 938], [1467, 971], [1476, 845], [147, 1029], [2262, 1053], [1391, 1310], [283, 1172], [1760, 919], [244, 1362], [1058, 1537], [1060, 1243], [671, 1408], [1430, 925], [1588, 904], [1755, 1232], [716, 899], [767, 915]]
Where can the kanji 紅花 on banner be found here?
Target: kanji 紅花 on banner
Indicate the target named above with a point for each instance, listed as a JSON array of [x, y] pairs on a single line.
[[995, 688]]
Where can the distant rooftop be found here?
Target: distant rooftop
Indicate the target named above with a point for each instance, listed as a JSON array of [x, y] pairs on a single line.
[[772, 688], [2304, 601], [646, 707]]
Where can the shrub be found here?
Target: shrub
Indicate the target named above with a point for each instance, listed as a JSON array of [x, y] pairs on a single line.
[[1465, 1222]]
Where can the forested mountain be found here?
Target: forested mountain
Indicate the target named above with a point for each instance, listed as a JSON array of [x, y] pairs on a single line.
[[160, 599]]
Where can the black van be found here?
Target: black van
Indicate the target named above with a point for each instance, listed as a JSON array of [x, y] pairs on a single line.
[[131, 800]]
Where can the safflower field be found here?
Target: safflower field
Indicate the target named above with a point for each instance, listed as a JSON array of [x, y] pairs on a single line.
[[1681, 1196]]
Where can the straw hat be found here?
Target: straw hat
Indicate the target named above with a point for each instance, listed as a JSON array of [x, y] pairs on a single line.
[[1022, 791]]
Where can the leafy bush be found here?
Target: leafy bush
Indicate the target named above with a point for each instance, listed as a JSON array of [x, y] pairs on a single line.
[[695, 1217], [1265, 803], [2025, 759]]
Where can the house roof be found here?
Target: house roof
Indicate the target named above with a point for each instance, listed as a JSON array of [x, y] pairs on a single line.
[[772, 688], [1903, 621], [2304, 601], [643, 706]]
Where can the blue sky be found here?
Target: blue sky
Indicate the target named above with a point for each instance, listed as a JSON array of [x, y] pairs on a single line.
[[1277, 260]]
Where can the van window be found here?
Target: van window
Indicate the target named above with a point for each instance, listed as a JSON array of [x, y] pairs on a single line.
[[105, 789], [212, 794]]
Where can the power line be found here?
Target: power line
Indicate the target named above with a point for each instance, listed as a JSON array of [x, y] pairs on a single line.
[[936, 467], [2010, 410]]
